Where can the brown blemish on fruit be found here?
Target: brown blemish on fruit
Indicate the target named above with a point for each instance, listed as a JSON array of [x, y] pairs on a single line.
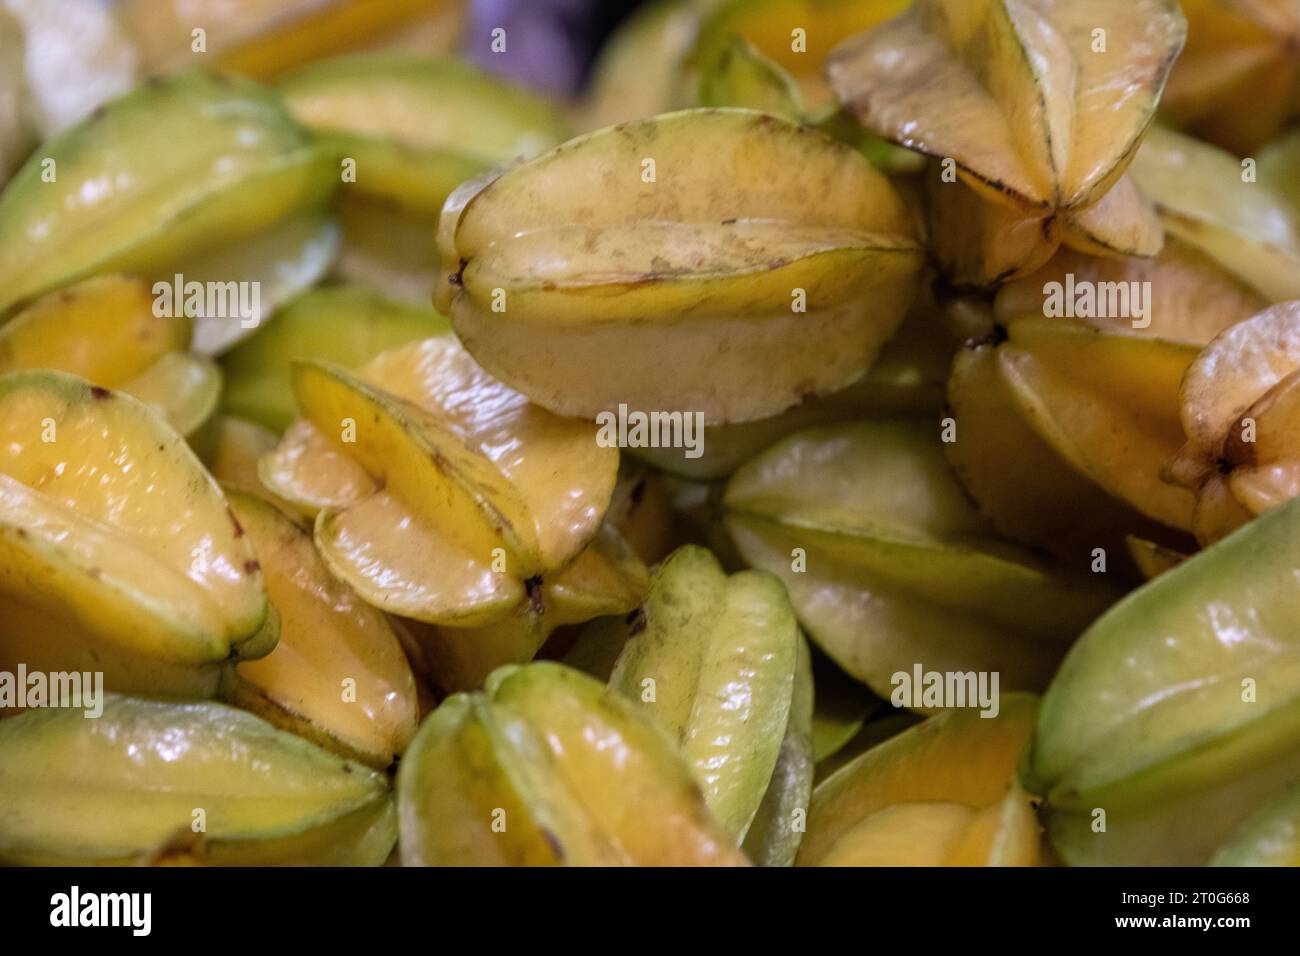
[[239, 528], [99, 394], [251, 567]]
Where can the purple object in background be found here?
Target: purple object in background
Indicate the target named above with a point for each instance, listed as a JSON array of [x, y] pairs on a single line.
[[549, 44]]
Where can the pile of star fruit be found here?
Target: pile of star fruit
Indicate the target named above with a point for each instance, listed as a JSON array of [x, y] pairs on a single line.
[[963, 530]]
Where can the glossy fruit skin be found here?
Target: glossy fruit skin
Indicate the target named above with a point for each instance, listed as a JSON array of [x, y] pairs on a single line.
[[99, 537], [494, 779], [1153, 717], [881, 552], [158, 147], [939, 793], [453, 491], [1056, 409], [607, 580], [105, 330], [1270, 838], [345, 324], [562, 295], [138, 775], [1238, 406], [442, 122], [722, 655], [338, 675], [1205, 198], [1029, 129]]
